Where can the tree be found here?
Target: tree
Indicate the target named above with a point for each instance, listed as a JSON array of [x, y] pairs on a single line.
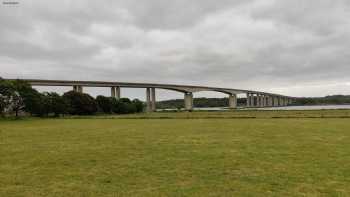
[[80, 103], [58, 105], [17, 103], [123, 106], [6, 93], [104, 103], [31, 99], [138, 105], [118, 106]]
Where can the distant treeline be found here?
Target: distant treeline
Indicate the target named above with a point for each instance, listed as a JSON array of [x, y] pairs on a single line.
[[18, 97], [327, 100], [198, 102], [223, 102]]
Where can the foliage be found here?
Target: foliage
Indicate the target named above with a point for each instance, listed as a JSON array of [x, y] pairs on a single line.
[[198, 102], [138, 105], [123, 106], [54, 103], [6, 93], [80, 103], [223, 102], [18, 95], [104, 103], [328, 100]]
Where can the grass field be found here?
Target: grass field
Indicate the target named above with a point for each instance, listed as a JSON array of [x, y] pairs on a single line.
[[199, 156]]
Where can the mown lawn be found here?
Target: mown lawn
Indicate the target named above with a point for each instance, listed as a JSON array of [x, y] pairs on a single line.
[[175, 157]]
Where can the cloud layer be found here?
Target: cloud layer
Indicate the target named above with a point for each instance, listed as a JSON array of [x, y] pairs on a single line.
[[293, 47]]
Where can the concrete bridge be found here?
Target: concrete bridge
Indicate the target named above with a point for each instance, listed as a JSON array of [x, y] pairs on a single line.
[[254, 98]]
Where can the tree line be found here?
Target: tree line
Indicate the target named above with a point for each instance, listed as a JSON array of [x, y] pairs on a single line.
[[327, 100], [223, 102], [199, 102], [19, 97]]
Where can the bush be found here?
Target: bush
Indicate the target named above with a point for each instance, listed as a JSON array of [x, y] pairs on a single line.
[[6, 93], [139, 105], [123, 106], [105, 104], [80, 103], [56, 104]]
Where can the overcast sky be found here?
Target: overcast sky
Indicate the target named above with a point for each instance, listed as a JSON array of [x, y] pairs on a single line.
[[292, 47]]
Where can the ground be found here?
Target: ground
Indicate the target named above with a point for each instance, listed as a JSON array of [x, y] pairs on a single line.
[[179, 154]]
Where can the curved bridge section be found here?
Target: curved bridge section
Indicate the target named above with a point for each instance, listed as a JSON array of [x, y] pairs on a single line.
[[254, 98]]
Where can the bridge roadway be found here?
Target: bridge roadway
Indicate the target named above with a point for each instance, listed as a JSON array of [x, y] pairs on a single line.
[[254, 98]]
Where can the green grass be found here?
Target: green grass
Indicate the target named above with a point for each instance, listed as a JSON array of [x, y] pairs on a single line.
[[176, 157], [231, 114]]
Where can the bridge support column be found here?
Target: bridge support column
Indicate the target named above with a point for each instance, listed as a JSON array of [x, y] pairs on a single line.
[[254, 100], [269, 101], [148, 100], [78, 88], [280, 101], [188, 101], [115, 92], [259, 100], [153, 99], [272, 101], [275, 101], [249, 103], [263, 100], [232, 101]]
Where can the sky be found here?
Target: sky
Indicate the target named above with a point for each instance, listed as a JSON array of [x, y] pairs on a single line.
[[290, 47]]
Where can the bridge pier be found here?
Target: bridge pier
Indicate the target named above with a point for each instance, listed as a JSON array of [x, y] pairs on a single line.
[[150, 99], [232, 101], [253, 100], [263, 100], [188, 101], [280, 101], [249, 103], [115, 92], [260, 100], [78, 88], [269, 101], [153, 99], [275, 101]]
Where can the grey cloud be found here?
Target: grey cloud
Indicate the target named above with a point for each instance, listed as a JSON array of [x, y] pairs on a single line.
[[267, 45]]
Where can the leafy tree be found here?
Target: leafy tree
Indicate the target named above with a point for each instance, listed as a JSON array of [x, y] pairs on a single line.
[[105, 104], [138, 105], [80, 103], [6, 93], [58, 105], [125, 100], [118, 106], [123, 106], [27, 98], [17, 103]]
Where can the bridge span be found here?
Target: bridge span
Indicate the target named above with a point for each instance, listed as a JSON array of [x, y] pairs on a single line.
[[254, 98]]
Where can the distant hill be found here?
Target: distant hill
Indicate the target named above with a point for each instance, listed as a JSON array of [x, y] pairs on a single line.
[[327, 100], [223, 102], [198, 102]]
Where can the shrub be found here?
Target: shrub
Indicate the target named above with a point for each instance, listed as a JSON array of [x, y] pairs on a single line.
[[138, 105], [105, 104], [80, 103]]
